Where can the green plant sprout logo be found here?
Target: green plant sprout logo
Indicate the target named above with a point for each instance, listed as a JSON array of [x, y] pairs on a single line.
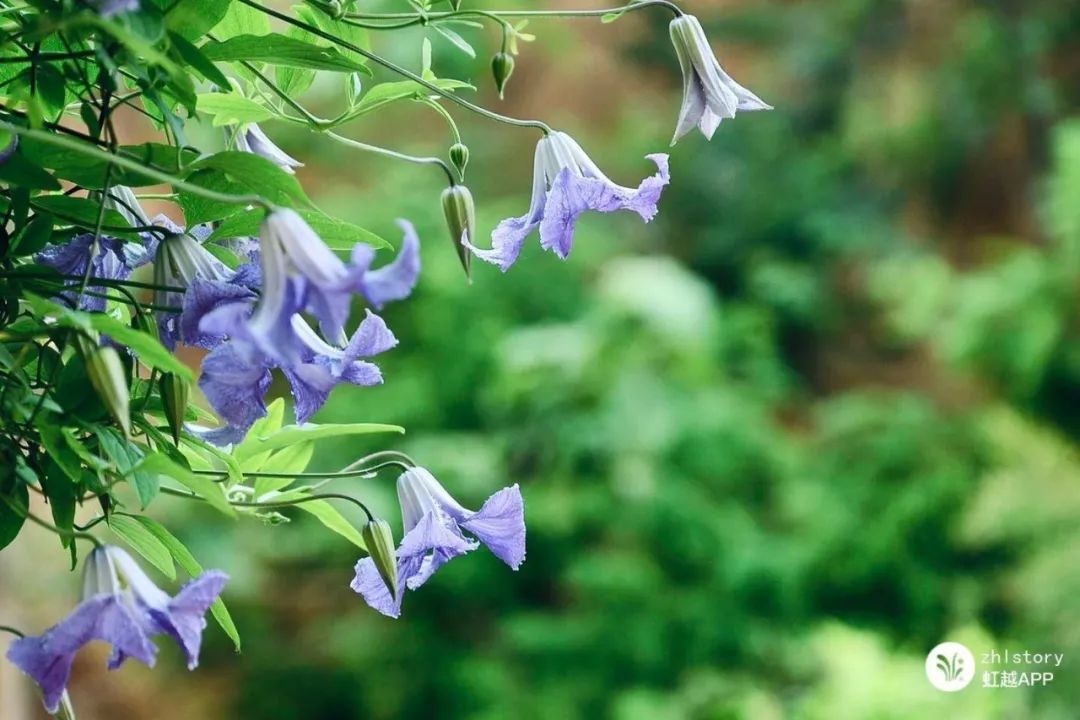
[[950, 667]]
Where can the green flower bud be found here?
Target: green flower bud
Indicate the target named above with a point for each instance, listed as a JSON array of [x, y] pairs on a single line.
[[456, 4], [107, 375], [174, 396], [502, 67], [459, 157], [460, 212], [380, 545]]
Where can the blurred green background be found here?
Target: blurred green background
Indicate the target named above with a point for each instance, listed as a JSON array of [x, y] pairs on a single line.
[[817, 417]]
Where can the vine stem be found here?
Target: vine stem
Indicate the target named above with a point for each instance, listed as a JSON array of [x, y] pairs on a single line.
[[129, 164], [394, 154], [14, 631], [395, 68], [280, 504], [675, 10]]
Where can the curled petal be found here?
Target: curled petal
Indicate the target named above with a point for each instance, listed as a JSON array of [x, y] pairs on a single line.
[[396, 280], [235, 384], [500, 525]]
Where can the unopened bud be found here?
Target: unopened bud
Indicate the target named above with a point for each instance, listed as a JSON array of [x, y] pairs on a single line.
[[460, 212], [456, 4], [174, 398], [380, 545], [107, 375], [459, 156], [354, 88], [502, 67]]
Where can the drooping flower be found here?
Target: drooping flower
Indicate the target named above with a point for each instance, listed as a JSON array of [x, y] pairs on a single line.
[[107, 259], [435, 526], [323, 366], [235, 380], [250, 138], [180, 261], [300, 273], [566, 183], [710, 95], [123, 607]]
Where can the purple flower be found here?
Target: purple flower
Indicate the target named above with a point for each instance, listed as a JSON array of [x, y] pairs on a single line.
[[111, 8], [709, 94], [235, 381], [123, 607], [435, 526], [9, 149], [108, 259], [566, 183], [250, 138], [181, 260], [323, 366]]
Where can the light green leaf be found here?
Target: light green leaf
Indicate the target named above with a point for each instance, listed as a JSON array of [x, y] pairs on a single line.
[[388, 92], [191, 566], [232, 108], [150, 351], [337, 234], [141, 540], [328, 515], [459, 42], [292, 459], [201, 485], [193, 18], [282, 50], [241, 19], [302, 433], [82, 212]]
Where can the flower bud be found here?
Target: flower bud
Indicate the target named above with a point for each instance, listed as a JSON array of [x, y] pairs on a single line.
[[459, 157], [174, 398], [460, 212], [380, 545], [107, 375], [354, 88], [502, 67], [456, 4]]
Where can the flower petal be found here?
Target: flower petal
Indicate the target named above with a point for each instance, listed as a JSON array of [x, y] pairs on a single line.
[[500, 525], [235, 384], [396, 280]]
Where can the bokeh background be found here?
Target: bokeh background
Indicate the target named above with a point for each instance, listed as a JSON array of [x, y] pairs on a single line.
[[817, 417]]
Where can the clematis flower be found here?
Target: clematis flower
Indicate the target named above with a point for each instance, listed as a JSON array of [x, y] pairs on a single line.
[[324, 366], [250, 138], [181, 260], [299, 272], [435, 526], [709, 94], [234, 381], [566, 183], [107, 259], [124, 608]]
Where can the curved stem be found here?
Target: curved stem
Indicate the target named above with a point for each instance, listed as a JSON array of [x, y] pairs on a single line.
[[434, 105], [394, 67], [672, 7], [13, 631], [282, 503], [129, 164], [394, 154], [107, 282], [402, 460]]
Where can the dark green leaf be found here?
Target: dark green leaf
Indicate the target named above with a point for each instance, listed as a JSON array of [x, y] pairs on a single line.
[[11, 521], [194, 57]]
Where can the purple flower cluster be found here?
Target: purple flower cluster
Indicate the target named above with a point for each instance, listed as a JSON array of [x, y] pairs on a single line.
[[123, 607]]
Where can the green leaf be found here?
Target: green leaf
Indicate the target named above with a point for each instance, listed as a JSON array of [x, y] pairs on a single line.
[[191, 566], [83, 212], [57, 448], [194, 18], [241, 19], [141, 540], [459, 42], [232, 108], [293, 459], [388, 92], [194, 57], [201, 485], [232, 466], [266, 425], [33, 237], [302, 433], [337, 234], [18, 171], [11, 522], [125, 457], [149, 349], [331, 518], [282, 51], [238, 173], [60, 489]]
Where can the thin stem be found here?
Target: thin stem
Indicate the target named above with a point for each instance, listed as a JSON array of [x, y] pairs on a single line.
[[675, 10], [128, 164], [394, 67], [282, 503], [396, 155], [434, 105], [403, 460], [13, 631], [107, 282]]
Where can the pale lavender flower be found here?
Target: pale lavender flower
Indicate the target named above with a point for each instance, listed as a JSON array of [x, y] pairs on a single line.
[[710, 95], [107, 259], [566, 183], [111, 8], [435, 526], [323, 366], [250, 138], [123, 607], [180, 261]]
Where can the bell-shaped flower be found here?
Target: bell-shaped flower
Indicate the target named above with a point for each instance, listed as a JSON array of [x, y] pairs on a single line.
[[250, 138], [123, 607], [107, 259], [709, 94], [179, 262], [300, 273], [323, 366], [566, 183], [435, 532]]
